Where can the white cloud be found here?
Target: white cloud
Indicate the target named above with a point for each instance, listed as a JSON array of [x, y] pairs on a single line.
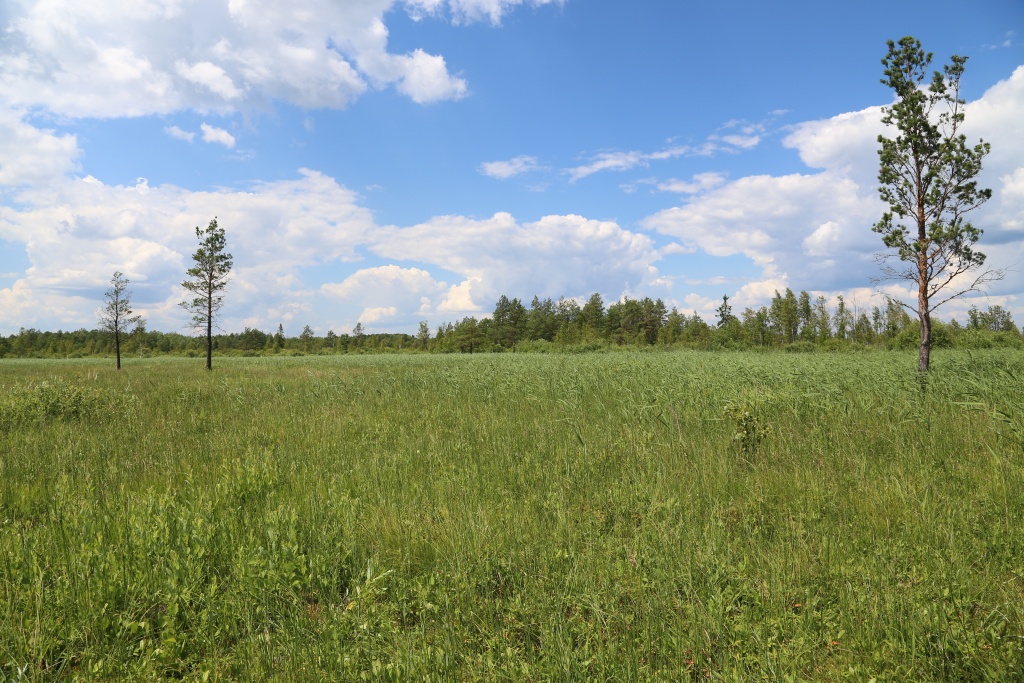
[[742, 141], [675, 248], [31, 156], [701, 182], [387, 288], [576, 256], [748, 138], [425, 78], [210, 76], [623, 161], [845, 143], [80, 231], [607, 161], [218, 135], [503, 170], [179, 134], [764, 217], [138, 57], [822, 241], [1009, 40], [813, 231], [377, 314], [460, 298], [701, 305], [465, 11]]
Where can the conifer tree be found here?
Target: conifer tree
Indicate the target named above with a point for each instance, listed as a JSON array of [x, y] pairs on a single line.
[[116, 314], [207, 279], [927, 177]]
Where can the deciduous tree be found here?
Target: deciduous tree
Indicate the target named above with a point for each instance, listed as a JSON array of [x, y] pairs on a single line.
[[927, 177], [423, 335]]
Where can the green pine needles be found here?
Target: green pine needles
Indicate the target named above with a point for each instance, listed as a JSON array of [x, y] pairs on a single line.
[[927, 177], [116, 315], [208, 279]]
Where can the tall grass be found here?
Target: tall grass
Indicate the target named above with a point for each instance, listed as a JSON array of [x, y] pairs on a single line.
[[635, 516]]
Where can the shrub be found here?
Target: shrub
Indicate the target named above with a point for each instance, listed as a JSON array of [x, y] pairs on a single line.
[[60, 400], [800, 347]]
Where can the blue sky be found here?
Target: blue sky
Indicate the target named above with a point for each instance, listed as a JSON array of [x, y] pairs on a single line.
[[388, 162]]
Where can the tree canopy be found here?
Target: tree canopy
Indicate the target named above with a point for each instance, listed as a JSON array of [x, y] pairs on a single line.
[[207, 280], [927, 176]]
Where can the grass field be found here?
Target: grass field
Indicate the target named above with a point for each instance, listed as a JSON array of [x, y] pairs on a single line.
[[617, 517]]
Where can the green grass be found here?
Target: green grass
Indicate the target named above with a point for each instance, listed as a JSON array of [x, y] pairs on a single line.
[[619, 517]]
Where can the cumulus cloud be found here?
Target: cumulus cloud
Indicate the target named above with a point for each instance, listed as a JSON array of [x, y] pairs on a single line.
[[377, 314], [180, 134], [763, 217], [31, 156], [813, 230], [138, 57], [386, 291], [557, 255], [425, 78], [460, 298], [217, 135], [502, 170], [80, 231], [845, 143], [807, 230], [209, 75], [823, 240]]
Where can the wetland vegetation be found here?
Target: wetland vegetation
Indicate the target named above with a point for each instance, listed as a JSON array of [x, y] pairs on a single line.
[[615, 516]]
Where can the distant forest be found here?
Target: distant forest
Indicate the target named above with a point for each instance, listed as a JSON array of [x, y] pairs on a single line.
[[792, 323]]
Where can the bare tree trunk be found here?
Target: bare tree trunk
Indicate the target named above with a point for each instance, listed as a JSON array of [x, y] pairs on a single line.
[[117, 347], [209, 331], [925, 351], [925, 316], [923, 312]]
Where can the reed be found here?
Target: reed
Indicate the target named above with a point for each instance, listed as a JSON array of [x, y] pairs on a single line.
[[627, 516]]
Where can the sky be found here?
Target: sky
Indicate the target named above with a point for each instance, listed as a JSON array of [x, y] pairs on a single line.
[[389, 161]]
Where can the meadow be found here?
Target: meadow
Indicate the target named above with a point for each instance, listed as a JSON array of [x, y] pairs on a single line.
[[626, 516]]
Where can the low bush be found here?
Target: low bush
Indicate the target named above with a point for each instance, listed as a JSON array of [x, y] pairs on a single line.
[[58, 399]]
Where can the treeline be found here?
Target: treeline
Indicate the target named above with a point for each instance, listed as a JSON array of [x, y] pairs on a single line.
[[32, 343], [791, 322]]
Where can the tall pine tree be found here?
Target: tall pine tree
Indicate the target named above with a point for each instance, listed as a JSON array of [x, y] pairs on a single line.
[[207, 280]]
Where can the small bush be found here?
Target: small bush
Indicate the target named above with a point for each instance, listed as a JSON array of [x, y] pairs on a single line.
[[750, 428], [800, 347], [984, 339], [535, 346], [61, 400]]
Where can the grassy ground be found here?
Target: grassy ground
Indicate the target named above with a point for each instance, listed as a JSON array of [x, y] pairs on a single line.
[[620, 517]]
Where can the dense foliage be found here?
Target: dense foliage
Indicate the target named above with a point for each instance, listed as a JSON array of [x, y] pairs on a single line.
[[792, 322], [628, 516]]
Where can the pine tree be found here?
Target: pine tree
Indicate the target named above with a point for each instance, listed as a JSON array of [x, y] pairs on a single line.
[[207, 280], [116, 314], [927, 177], [724, 312]]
